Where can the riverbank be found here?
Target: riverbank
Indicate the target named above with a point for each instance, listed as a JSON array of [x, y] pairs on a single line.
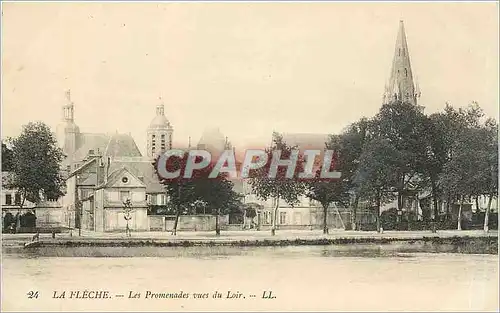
[[488, 241]]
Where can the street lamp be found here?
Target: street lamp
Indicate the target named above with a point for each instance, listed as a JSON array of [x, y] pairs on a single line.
[[127, 210]]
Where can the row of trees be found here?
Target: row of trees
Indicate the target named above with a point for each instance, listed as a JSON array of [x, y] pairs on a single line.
[[453, 154]]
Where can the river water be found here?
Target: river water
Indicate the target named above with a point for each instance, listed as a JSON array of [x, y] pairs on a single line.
[[333, 278]]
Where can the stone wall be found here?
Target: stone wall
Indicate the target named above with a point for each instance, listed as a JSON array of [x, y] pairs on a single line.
[[186, 222], [51, 217]]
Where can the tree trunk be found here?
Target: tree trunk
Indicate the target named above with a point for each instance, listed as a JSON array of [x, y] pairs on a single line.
[[244, 218], [459, 223], [275, 213], [354, 213], [177, 215], [487, 214], [18, 220], [217, 226], [435, 206], [378, 211], [325, 225], [448, 201]]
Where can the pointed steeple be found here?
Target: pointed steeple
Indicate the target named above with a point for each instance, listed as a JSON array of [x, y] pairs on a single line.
[[401, 86]]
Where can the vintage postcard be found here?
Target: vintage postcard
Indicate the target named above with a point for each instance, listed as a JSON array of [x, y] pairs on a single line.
[[249, 156]]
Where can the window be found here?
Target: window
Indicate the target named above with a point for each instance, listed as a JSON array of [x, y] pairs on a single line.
[[124, 180], [124, 195], [153, 199], [266, 217], [8, 199], [85, 193], [17, 199], [282, 218], [162, 136], [399, 51], [406, 72]]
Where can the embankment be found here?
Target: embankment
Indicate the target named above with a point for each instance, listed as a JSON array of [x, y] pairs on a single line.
[[480, 244]]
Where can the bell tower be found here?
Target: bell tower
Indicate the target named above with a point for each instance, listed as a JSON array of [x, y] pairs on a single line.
[[68, 131], [159, 133]]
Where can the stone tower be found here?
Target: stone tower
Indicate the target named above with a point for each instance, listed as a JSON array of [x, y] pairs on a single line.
[[68, 131], [159, 133], [401, 86]]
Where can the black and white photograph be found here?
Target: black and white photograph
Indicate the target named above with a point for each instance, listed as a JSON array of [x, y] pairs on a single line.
[[243, 156]]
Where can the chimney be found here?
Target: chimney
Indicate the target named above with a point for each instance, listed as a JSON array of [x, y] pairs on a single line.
[[106, 172]]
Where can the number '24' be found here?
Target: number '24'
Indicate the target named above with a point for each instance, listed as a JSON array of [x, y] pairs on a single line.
[[32, 295]]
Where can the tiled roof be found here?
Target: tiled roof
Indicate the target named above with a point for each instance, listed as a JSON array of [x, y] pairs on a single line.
[[89, 141], [91, 180], [117, 145], [122, 145]]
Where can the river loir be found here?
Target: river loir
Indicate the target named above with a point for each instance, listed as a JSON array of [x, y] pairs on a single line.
[[336, 277]]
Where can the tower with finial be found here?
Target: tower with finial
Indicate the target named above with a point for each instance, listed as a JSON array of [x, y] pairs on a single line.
[[401, 86], [159, 133], [68, 131]]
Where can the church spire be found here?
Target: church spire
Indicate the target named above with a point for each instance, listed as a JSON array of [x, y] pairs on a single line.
[[401, 86]]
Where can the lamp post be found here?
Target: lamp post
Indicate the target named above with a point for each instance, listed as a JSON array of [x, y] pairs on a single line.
[[79, 211], [127, 210]]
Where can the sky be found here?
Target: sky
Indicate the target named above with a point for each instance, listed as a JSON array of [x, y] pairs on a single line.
[[247, 68]]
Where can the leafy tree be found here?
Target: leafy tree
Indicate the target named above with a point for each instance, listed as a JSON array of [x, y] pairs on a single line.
[[490, 170], [217, 194], [279, 187], [327, 191], [36, 164], [180, 190], [376, 177], [404, 127], [350, 146], [7, 158], [471, 168]]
